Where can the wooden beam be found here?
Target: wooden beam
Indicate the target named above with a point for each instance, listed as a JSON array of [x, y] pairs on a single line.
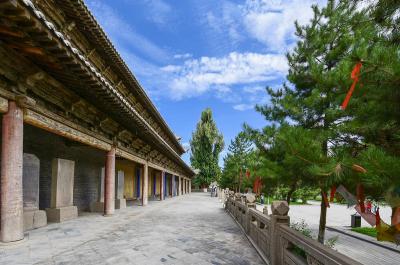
[[122, 153], [38, 120], [3, 105]]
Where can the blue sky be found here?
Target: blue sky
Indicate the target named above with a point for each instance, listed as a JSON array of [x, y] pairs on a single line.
[[193, 54]]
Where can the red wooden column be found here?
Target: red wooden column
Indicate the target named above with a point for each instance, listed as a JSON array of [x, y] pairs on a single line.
[[12, 213], [109, 183]]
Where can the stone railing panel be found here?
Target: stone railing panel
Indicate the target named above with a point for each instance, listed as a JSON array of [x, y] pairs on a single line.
[[275, 241], [259, 230], [299, 249]]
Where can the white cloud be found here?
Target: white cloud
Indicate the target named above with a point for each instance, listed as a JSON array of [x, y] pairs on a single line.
[[272, 21], [253, 89], [186, 146], [159, 11], [183, 56], [198, 76], [221, 24], [243, 107], [122, 32]]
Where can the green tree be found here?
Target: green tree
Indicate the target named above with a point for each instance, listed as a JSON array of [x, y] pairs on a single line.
[[319, 69], [206, 145], [290, 156], [367, 132], [236, 162], [374, 113]]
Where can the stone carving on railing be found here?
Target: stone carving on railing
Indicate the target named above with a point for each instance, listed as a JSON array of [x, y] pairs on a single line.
[[250, 200], [313, 261], [275, 241], [265, 210], [280, 208], [238, 196]]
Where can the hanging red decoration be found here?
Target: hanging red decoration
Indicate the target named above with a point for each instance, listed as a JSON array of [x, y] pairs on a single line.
[[325, 199], [257, 185], [355, 76], [361, 197], [332, 195], [378, 218], [247, 173]]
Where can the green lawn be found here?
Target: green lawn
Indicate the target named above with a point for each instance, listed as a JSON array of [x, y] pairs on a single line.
[[369, 231], [291, 203]]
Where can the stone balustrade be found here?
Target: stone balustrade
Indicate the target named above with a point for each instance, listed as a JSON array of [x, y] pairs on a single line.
[[274, 240]]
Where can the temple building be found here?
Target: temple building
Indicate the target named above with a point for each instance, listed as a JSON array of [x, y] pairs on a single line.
[[79, 133]]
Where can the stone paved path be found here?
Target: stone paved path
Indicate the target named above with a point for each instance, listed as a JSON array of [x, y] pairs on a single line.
[[192, 229]]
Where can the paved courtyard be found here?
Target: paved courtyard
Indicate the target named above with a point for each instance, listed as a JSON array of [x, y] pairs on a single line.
[[192, 229]]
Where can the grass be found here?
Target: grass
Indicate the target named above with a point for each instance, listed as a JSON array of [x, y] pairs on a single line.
[[369, 231], [273, 199]]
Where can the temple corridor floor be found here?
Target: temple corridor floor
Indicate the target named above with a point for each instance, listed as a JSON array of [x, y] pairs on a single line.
[[191, 229]]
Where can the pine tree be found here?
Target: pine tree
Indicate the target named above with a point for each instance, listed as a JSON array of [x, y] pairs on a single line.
[[206, 145], [236, 162], [318, 73]]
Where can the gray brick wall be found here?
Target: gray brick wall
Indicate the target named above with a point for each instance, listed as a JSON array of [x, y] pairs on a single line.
[[88, 163]]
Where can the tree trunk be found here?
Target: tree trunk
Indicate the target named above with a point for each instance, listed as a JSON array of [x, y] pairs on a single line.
[[392, 216], [322, 221], [289, 194]]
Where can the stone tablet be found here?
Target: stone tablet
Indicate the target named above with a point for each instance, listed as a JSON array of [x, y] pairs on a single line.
[[31, 170], [100, 193], [119, 184], [62, 183]]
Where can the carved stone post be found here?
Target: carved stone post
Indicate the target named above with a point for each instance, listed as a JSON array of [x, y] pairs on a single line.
[[109, 183], [279, 217], [12, 222]]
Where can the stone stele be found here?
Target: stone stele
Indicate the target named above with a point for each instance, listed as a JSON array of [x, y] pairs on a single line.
[[33, 217], [120, 202], [62, 188], [98, 206]]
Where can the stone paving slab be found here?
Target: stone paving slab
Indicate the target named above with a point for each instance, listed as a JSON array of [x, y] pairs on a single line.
[[191, 229]]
